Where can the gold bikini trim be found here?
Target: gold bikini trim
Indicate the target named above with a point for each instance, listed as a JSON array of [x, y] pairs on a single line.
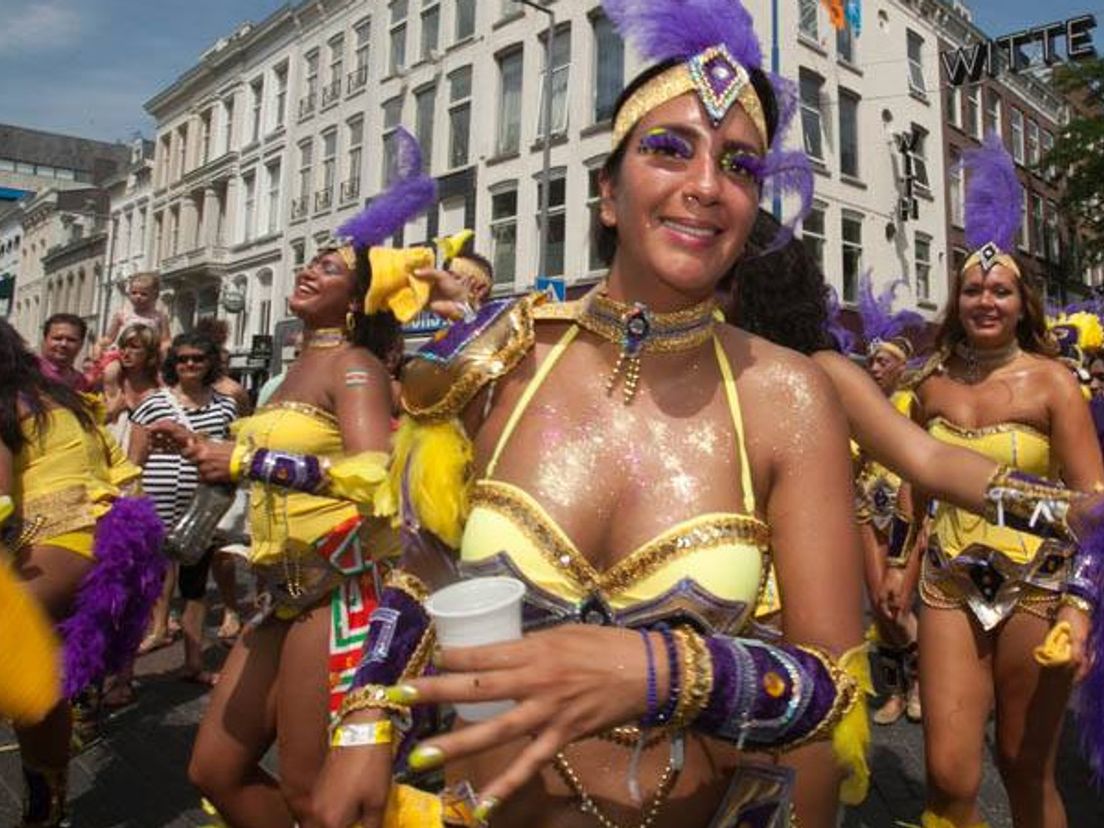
[[986, 431], [557, 549], [59, 513], [307, 409]]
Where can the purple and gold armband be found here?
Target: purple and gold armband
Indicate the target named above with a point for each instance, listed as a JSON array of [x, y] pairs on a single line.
[[777, 698], [301, 472], [1086, 579], [902, 539], [1028, 503], [400, 636]]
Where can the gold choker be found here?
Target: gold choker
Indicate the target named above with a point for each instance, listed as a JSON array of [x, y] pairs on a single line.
[[987, 360], [639, 330], [323, 338]]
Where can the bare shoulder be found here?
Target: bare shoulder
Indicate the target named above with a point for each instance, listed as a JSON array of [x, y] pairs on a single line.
[[360, 359], [1050, 374]]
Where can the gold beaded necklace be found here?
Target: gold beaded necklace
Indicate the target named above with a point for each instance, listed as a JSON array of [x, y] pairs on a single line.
[[639, 330], [324, 338]]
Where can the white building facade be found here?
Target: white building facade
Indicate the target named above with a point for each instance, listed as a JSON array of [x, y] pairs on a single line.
[[280, 132]]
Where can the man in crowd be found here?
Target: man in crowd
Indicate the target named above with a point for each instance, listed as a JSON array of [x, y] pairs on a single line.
[[63, 337]]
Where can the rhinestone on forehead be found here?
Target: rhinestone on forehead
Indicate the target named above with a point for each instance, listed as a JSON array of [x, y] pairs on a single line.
[[719, 80], [988, 255]]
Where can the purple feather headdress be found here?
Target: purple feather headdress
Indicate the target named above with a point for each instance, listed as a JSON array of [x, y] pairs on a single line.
[[411, 194], [994, 201], [690, 30], [880, 322]]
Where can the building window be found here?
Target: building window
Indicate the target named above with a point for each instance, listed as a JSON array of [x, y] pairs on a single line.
[[811, 128], [807, 19], [1032, 143], [392, 117], [431, 26], [249, 187], [556, 191], [561, 68], [205, 136], [920, 157], [812, 233], [460, 83], [504, 234], [1037, 226], [465, 19], [350, 189], [845, 44], [851, 228], [1054, 240], [509, 103], [256, 99], [916, 62], [396, 60], [956, 187], [1017, 135], [182, 150], [337, 70], [310, 89], [609, 67], [228, 123], [273, 206], [324, 197], [362, 34], [280, 76], [298, 252], [958, 259], [1048, 145], [849, 133], [973, 111], [1023, 235], [303, 191], [425, 100], [992, 116], [954, 105], [594, 205], [922, 250]]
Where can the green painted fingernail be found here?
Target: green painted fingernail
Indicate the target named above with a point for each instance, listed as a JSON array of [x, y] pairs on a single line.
[[484, 809], [425, 757], [402, 694]]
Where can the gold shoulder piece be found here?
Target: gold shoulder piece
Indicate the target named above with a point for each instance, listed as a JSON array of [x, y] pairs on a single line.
[[446, 374]]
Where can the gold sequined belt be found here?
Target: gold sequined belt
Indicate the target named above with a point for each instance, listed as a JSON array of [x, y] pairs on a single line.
[[992, 585], [49, 515]]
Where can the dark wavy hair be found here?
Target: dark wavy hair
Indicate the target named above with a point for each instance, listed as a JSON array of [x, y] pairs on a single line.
[[66, 319], [1031, 331], [200, 342], [22, 381], [780, 295], [605, 238], [380, 331]]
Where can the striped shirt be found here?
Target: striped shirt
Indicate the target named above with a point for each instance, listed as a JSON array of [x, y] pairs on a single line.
[[168, 478]]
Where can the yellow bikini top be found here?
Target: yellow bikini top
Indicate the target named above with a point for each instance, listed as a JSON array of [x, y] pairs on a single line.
[[1011, 444], [66, 476], [710, 567], [279, 518]]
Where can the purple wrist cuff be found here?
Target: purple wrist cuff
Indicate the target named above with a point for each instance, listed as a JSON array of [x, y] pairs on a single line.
[[302, 472], [395, 629], [1086, 580], [764, 696]]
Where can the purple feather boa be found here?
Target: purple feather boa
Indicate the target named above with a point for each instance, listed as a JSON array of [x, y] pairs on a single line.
[[879, 320], [994, 195], [116, 597], [411, 194], [1090, 696]]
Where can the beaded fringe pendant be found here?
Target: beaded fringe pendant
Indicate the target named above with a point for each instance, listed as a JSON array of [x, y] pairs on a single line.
[[636, 325]]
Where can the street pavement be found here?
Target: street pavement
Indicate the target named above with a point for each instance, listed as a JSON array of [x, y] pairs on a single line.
[[136, 776]]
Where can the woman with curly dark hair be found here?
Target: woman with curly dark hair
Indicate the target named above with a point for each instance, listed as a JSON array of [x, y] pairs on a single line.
[[75, 543]]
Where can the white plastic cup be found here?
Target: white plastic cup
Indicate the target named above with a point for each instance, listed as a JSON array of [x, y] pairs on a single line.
[[474, 612]]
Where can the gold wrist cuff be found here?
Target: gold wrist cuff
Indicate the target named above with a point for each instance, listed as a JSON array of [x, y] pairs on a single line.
[[1077, 603], [359, 735]]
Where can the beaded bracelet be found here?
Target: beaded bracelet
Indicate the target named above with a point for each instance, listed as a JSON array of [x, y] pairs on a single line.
[[664, 715], [374, 697], [698, 681], [653, 692]]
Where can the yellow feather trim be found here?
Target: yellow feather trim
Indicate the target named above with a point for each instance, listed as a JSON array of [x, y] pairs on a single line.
[[851, 737], [1090, 332], [437, 458], [30, 681]]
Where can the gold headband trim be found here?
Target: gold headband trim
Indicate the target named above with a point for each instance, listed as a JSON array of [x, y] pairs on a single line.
[[988, 258], [678, 80], [348, 255], [896, 350]]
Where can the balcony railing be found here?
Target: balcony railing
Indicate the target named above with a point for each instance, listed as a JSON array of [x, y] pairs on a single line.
[[323, 198], [306, 105], [299, 207], [350, 189], [331, 92], [356, 79]]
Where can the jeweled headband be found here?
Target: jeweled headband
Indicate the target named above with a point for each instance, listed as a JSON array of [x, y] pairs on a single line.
[[719, 81]]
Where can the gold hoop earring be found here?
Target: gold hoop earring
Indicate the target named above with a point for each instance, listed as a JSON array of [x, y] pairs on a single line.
[[350, 322]]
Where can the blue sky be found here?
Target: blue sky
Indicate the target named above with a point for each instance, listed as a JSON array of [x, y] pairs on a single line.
[[85, 67]]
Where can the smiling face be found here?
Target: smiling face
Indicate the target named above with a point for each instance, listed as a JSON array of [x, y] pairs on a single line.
[[61, 344], [324, 291], [990, 306], [192, 365], [683, 201]]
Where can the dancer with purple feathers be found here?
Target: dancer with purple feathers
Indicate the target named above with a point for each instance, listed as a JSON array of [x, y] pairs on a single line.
[[1007, 598], [88, 555]]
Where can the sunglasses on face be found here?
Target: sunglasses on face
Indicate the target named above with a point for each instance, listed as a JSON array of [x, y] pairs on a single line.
[[191, 359]]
